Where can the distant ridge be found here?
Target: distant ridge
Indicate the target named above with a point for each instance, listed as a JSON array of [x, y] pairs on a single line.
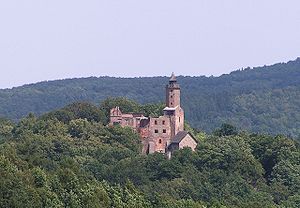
[[261, 99]]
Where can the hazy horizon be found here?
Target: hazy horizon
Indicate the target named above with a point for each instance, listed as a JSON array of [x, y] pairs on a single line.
[[166, 75], [50, 40]]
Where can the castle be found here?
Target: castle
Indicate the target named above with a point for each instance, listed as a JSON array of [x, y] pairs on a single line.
[[159, 134]]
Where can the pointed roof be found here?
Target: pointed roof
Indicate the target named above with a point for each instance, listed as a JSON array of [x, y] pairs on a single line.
[[180, 136], [173, 77]]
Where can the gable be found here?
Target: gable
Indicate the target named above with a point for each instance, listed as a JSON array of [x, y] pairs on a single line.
[[188, 141]]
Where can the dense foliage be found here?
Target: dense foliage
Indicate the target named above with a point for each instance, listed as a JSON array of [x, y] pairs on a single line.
[[68, 158], [264, 99]]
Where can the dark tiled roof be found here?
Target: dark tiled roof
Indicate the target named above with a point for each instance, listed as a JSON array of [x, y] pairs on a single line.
[[179, 136], [144, 122]]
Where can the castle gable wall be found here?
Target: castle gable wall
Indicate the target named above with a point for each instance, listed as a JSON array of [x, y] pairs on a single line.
[[188, 141]]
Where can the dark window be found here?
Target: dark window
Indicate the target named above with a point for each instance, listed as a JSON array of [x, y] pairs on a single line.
[[164, 131], [171, 103], [155, 131], [179, 119], [159, 141], [163, 122], [170, 113], [155, 122], [171, 96]]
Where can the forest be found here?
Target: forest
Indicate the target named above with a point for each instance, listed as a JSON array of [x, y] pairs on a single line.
[[261, 100], [69, 157]]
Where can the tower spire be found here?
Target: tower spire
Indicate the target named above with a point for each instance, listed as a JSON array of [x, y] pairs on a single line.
[[173, 77]]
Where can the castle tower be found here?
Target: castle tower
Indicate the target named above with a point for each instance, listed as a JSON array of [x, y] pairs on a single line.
[[173, 109], [172, 92]]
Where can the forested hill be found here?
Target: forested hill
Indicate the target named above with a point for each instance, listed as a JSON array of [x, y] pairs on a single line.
[[263, 99]]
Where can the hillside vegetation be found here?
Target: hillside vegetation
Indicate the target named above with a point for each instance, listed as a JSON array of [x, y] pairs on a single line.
[[69, 158], [264, 99]]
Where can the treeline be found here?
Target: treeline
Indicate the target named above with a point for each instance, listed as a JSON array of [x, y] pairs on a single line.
[[69, 158], [264, 99]]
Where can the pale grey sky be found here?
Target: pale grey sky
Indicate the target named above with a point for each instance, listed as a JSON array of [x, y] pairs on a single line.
[[54, 39]]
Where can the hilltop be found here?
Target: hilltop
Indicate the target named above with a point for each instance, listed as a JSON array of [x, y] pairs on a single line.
[[70, 158], [262, 99]]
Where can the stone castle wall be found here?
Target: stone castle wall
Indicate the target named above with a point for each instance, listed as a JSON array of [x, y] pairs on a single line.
[[160, 132]]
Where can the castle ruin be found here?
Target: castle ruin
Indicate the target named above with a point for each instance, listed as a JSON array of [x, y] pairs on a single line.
[[159, 134]]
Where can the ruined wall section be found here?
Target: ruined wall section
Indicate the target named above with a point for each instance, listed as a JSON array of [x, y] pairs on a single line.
[[156, 136], [115, 116], [129, 119]]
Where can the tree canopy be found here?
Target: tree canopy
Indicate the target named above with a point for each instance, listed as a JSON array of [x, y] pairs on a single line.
[[69, 158]]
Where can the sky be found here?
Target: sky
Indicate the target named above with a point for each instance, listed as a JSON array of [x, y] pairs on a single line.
[[56, 39]]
